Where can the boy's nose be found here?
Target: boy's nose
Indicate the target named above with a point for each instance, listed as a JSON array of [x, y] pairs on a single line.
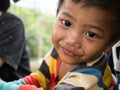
[[73, 39]]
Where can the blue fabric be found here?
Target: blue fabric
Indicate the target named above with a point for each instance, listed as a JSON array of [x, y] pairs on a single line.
[[116, 87], [11, 85]]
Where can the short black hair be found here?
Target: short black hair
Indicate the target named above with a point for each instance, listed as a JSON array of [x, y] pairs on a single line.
[[4, 5], [108, 5]]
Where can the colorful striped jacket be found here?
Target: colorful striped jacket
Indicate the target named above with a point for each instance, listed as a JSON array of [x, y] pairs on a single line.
[[94, 75]]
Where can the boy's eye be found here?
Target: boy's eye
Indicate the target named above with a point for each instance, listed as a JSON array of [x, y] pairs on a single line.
[[91, 34], [66, 23]]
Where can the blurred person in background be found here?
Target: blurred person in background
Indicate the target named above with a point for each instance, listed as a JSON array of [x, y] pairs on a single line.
[[14, 56], [114, 63]]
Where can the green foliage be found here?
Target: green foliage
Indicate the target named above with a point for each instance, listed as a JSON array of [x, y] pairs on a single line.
[[38, 27]]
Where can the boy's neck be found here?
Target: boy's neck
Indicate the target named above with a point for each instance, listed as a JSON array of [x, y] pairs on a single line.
[[92, 62], [64, 69]]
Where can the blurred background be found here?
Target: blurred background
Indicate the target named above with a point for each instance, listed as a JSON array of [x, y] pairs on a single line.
[[38, 17]]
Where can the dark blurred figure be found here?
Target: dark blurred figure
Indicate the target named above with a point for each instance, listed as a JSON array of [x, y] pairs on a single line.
[[14, 57]]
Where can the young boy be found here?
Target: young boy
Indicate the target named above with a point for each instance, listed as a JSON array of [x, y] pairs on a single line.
[[84, 30]]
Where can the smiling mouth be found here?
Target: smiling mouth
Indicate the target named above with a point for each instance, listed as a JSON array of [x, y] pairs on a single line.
[[68, 52]]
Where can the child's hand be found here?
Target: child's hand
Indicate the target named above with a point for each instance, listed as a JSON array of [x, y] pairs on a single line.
[[1, 62], [30, 87], [41, 88], [110, 88]]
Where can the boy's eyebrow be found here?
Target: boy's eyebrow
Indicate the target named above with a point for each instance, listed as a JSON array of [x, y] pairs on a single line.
[[96, 27], [68, 15]]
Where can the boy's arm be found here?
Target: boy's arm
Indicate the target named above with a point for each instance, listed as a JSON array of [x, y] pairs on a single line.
[[20, 84], [11, 85]]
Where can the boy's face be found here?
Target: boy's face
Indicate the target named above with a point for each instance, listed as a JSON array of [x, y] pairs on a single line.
[[81, 34]]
